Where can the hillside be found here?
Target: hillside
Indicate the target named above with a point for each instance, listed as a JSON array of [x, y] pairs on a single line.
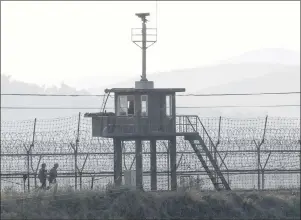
[[278, 78], [250, 64], [268, 55], [15, 86]]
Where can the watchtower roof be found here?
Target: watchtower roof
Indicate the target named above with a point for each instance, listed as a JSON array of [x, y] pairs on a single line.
[[134, 90]]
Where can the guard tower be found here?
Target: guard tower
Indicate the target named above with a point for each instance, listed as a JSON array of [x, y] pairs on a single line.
[[145, 113]]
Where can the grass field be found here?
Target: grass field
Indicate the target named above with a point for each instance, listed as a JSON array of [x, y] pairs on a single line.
[[132, 204]]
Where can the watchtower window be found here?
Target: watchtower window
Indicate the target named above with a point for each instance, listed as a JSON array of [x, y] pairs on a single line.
[[131, 105], [126, 105], [168, 104], [122, 106], [144, 105]]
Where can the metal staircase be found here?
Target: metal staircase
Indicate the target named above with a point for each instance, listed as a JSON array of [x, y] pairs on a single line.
[[212, 169]]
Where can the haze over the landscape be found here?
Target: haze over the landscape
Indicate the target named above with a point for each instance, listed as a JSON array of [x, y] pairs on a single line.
[[231, 149], [243, 77], [213, 47]]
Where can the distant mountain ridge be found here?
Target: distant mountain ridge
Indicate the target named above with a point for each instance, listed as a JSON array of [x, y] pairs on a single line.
[[244, 67], [232, 77]]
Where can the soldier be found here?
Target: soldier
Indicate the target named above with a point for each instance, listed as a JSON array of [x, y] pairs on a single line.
[[53, 174], [43, 176]]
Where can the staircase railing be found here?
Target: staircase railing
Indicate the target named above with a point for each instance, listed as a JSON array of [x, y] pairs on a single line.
[[184, 124], [211, 142]]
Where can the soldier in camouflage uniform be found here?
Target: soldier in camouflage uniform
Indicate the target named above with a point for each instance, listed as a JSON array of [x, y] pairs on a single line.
[[43, 176], [53, 174]]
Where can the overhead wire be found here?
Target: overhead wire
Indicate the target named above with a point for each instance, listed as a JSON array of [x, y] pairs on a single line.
[[179, 107], [241, 94], [191, 94]]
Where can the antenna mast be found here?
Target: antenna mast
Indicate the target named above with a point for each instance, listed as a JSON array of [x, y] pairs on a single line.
[[143, 40]]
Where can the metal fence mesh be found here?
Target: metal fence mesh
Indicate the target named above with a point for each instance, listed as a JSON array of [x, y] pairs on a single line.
[[258, 153]]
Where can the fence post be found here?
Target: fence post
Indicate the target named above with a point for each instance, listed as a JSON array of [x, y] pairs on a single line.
[[258, 167], [262, 141], [262, 179], [75, 152], [75, 168], [92, 182], [80, 180], [258, 163], [81, 172], [29, 152], [28, 182], [263, 169]]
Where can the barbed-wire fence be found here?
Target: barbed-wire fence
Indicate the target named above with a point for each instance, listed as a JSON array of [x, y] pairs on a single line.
[[260, 153]]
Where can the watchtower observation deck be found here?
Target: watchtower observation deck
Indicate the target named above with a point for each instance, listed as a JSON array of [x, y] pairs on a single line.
[[142, 113]]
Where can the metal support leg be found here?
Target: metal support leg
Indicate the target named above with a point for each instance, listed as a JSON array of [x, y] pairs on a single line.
[[139, 174], [173, 163], [117, 162], [153, 164]]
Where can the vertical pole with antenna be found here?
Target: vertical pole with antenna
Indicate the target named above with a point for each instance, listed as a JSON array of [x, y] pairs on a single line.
[[144, 50], [143, 40]]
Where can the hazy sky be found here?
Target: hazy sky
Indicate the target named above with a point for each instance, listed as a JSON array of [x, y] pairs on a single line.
[[88, 44]]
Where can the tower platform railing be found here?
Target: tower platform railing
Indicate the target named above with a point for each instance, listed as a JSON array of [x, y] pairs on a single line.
[[119, 126]]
